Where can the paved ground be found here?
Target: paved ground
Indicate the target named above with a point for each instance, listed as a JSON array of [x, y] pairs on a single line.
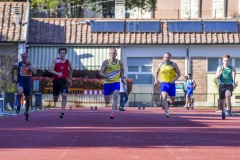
[[86, 134]]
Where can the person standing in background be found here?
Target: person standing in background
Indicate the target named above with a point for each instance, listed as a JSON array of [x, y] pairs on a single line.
[[191, 85], [123, 93]]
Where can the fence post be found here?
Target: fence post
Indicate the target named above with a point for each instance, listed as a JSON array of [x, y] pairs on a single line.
[[214, 98]]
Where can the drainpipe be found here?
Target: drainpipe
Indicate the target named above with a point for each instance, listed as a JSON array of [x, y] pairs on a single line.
[[188, 63], [27, 27]]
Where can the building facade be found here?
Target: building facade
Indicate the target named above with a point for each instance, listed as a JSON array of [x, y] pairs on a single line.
[[192, 9], [140, 48]]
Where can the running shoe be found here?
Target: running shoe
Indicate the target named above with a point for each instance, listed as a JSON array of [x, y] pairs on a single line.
[[167, 115], [192, 106], [112, 116], [18, 109], [229, 112], [186, 107], [223, 115], [61, 115], [26, 116], [121, 109]]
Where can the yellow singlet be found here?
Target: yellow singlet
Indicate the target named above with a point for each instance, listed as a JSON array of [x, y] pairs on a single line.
[[167, 72], [113, 70]]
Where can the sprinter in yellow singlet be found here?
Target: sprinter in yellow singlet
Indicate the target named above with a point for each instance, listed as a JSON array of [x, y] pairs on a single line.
[[111, 71], [169, 73]]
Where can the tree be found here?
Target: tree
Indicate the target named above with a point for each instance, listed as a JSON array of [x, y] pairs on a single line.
[[5, 73], [73, 8]]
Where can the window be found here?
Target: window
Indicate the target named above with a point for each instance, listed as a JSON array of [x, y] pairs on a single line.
[[237, 64], [140, 70], [212, 64], [133, 68], [146, 68]]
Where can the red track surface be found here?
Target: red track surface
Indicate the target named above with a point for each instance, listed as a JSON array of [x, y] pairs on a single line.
[[86, 134]]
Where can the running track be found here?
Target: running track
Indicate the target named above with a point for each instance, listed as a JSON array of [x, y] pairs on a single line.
[[86, 134]]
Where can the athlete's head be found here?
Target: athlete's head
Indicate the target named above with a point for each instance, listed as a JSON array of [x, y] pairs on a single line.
[[62, 52], [113, 53], [24, 56], [189, 75], [186, 77], [225, 59], [166, 57]]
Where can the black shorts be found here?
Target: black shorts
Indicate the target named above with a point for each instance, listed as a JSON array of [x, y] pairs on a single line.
[[223, 88], [59, 85]]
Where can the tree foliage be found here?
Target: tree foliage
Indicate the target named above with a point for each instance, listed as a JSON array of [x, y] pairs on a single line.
[[73, 8], [5, 73]]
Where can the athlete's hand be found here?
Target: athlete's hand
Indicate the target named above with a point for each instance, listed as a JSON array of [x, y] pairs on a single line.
[[70, 82], [27, 63], [223, 68], [172, 82], [60, 74], [156, 82], [106, 76], [234, 85]]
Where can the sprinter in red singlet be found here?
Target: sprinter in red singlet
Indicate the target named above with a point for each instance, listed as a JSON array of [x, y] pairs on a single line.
[[62, 71]]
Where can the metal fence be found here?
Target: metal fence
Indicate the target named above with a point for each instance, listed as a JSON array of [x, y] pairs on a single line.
[[81, 97]]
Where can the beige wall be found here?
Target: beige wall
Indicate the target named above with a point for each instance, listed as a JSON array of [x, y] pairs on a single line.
[[169, 9], [206, 9], [232, 7]]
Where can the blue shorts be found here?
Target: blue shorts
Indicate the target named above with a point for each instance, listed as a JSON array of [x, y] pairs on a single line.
[[189, 92], [169, 88], [26, 85], [109, 88]]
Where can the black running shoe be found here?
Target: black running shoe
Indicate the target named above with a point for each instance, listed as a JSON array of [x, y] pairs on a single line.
[[223, 115], [18, 109], [61, 115], [26, 116]]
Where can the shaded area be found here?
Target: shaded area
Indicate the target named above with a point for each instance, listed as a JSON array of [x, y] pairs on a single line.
[[137, 129]]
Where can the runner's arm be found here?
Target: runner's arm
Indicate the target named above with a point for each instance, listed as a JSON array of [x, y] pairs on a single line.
[[103, 68], [178, 73], [156, 81], [219, 72], [70, 70]]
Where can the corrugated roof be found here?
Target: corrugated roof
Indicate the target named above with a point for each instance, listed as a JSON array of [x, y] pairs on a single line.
[[73, 31], [9, 32]]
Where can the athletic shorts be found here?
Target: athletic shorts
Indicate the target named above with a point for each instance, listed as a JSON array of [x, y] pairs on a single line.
[[223, 88], [109, 88], [26, 85], [189, 92], [59, 86], [169, 88]]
